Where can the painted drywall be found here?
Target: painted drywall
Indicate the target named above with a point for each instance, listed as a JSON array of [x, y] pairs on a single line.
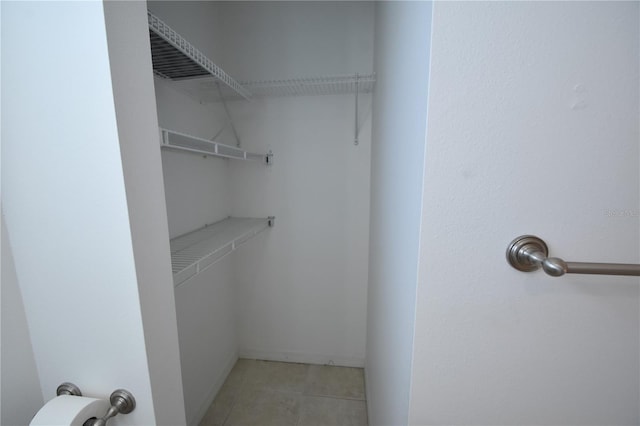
[[21, 395], [63, 195], [197, 189], [302, 284], [206, 306], [399, 124], [134, 98], [197, 192], [271, 40], [532, 128], [196, 21]]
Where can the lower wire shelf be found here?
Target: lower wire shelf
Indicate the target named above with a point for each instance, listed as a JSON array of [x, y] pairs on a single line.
[[198, 250]]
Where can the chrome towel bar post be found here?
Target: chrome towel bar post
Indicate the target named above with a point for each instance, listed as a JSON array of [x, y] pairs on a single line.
[[528, 253]]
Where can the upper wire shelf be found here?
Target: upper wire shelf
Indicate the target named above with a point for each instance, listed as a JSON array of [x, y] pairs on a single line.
[[207, 91], [176, 59]]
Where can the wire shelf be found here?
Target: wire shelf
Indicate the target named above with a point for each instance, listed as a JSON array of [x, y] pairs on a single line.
[[183, 142], [176, 59], [198, 250], [206, 90], [330, 85]]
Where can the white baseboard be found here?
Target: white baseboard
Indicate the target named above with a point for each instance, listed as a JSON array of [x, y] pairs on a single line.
[[213, 391], [302, 358]]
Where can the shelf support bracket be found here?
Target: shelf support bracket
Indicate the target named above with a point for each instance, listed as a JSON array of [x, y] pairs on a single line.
[[215, 137], [226, 110], [355, 141]]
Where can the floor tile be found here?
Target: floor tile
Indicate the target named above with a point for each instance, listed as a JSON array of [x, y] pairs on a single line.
[[264, 408], [339, 382], [220, 408], [235, 379], [321, 411], [282, 376], [264, 393], [222, 404]]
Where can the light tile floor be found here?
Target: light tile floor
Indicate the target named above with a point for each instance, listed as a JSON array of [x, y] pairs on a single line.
[[267, 393]]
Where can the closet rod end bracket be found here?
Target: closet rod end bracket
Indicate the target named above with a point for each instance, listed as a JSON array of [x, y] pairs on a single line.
[[271, 220]]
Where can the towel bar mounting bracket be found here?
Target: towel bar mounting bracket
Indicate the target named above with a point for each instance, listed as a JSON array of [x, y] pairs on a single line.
[[520, 249]]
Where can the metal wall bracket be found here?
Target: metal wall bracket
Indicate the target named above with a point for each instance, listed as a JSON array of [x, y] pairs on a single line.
[[356, 142], [520, 250], [271, 221], [122, 402], [68, 389], [226, 110]]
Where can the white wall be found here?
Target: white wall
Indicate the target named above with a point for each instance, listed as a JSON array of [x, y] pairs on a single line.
[[197, 21], [302, 284], [21, 395], [130, 60], [65, 205], [272, 40], [197, 187], [197, 193], [206, 306], [533, 128], [399, 123]]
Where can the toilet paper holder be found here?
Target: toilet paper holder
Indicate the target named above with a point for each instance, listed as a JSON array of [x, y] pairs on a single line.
[[122, 402]]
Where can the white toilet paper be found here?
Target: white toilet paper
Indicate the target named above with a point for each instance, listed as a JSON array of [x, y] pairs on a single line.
[[68, 410]]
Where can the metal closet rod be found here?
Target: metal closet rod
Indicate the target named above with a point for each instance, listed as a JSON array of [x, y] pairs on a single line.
[[528, 253]]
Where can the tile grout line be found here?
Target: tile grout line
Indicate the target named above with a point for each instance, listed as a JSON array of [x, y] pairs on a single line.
[[302, 394], [346, 398]]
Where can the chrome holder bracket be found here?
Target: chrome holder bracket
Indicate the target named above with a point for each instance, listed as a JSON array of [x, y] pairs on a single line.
[[68, 389], [122, 402]]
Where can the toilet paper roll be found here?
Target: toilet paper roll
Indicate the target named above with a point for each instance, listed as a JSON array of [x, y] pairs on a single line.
[[68, 410]]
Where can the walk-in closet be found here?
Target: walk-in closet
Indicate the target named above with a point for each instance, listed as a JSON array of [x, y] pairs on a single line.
[[265, 117]]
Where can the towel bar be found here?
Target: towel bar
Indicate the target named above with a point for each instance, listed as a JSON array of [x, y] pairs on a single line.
[[528, 253]]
